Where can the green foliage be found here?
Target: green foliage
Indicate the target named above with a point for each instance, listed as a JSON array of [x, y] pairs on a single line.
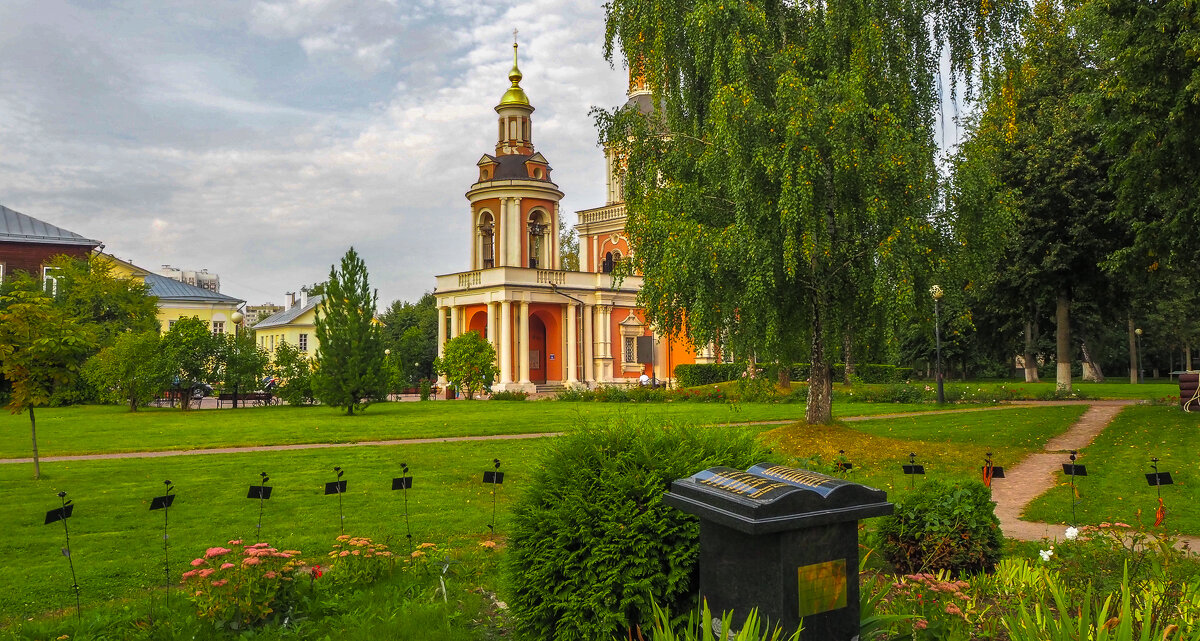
[[88, 290], [568, 247], [514, 395], [189, 350], [240, 362], [410, 331], [294, 370], [784, 189], [236, 587], [130, 371], [349, 372], [944, 526], [425, 389], [468, 362], [593, 545], [699, 627], [41, 348], [357, 560], [696, 374]]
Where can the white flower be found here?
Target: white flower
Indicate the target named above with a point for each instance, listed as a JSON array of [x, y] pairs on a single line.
[[1072, 533], [1046, 554]]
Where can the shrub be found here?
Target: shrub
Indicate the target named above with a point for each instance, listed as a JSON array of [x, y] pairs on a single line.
[[575, 394], [513, 395], [874, 373], [695, 375], [944, 526], [425, 389], [238, 586], [593, 545]]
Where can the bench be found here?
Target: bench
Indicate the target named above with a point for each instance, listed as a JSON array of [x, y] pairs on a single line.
[[1189, 391], [248, 398]]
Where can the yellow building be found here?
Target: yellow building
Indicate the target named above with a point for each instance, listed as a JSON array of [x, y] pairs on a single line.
[[178, 300], [296, 324]]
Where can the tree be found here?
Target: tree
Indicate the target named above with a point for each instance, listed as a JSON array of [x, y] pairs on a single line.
[[349, 371], [294, 370], [1042, 149], [787, 177], [469, 363], [240, 362], [410, 331], [41, 347], [190, 351], [88, 290], [131, 370], [568, 247]]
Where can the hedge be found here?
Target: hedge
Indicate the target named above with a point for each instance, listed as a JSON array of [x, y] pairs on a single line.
[[694, 375]]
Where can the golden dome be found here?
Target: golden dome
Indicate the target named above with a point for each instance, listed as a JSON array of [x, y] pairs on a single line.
[[515, 94]]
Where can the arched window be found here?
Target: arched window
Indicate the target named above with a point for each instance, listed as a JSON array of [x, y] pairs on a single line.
[[607, 266], [487, 231], [538, 229]]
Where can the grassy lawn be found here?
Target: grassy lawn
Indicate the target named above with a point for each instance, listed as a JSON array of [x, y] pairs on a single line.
[[1117, 461], [950, 446], [101, 429], [116, 541], [1152, 389]]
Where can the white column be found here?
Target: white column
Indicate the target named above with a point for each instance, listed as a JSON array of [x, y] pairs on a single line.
[[589, 367], [502, 233], [515, 238], [556, 259], [441, 339], [455, 312], [572, 345], [595, 253], [505, 342], [493, 326], [523, 342], [474, 244]]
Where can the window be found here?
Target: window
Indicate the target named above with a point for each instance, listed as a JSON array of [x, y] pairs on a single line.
[[304, 342], [170, 324], [49, 280], [218, 328], [487, 231], [630, 349], [538, 228]]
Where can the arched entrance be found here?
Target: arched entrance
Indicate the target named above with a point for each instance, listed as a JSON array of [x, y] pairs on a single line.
[[537, 350], [479, 323]]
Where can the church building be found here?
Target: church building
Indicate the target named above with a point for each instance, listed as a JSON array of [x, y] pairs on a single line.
[[551, 328]]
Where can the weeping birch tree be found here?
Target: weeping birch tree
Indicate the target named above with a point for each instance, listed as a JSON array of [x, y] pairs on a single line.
[[786, 186]]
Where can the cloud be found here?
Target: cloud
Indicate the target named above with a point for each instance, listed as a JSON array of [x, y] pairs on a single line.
[[261, 142]]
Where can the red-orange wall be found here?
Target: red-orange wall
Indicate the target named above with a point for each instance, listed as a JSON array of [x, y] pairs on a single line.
[[551, 316]]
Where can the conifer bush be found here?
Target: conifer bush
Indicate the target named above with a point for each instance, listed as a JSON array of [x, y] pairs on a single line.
[[943, 526], [593, 546]]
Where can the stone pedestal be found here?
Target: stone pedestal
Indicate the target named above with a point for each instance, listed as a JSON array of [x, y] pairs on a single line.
[[782, 540]]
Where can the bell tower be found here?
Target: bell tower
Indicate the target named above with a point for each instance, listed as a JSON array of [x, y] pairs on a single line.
[[514, 204]]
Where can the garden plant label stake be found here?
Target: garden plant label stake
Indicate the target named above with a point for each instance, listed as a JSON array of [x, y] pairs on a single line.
[[62, 514], [1073, 470], [262, 492], [495, 477], [338, 487], [164, 503], [404, 484], [1159, 479], [912, 470], [991, 471]]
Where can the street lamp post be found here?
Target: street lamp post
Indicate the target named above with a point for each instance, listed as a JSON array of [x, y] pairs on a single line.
[[1138, 333], [387, 358], [236, 317], [937, 293]]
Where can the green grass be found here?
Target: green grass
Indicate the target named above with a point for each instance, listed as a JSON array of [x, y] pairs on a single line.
[[1117, 461], [1114, 389], [950, 446], [106, 429], [116, 541]]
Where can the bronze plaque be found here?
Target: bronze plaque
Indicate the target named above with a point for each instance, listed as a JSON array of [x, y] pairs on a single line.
[[822, 587]]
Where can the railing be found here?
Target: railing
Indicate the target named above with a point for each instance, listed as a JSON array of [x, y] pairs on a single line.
[[601, 214], [551, 277], [470, 279]]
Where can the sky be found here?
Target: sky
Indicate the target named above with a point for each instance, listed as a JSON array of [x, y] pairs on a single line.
[[260, 139]]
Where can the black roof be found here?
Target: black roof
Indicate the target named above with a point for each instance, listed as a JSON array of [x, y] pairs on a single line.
[[512, 167]]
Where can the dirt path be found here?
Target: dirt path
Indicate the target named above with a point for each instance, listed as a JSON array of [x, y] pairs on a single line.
[[1036, 474]]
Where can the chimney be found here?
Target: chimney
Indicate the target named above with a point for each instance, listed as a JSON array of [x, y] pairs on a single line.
[[291, 301], [303, 297]]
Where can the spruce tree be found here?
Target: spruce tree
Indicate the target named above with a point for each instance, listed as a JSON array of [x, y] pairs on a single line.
[[350, 369]]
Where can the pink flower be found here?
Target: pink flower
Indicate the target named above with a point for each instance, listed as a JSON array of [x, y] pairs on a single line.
[[190, 573], [197, 562], [236, 542], [226, 566], [344, 553], [206, 571], [211, 552], [217, 584], [355, 553], [921, 624], [270, 575], [251, 560], [1120, 524]]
